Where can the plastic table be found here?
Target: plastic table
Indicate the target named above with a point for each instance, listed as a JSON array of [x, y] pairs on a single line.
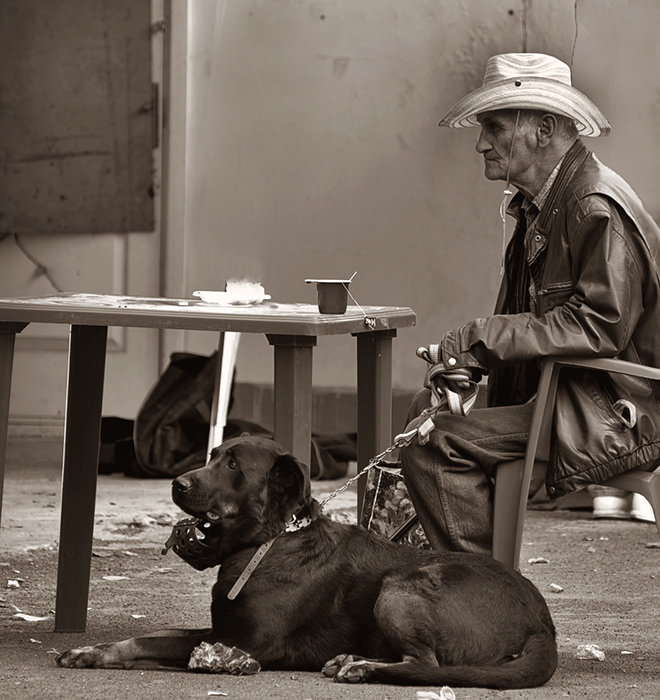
[[292, 330]]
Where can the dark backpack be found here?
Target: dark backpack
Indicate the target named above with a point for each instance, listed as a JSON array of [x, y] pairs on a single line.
[[170, 433]]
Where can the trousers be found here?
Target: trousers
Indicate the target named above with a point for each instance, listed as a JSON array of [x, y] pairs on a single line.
[[450, 479]]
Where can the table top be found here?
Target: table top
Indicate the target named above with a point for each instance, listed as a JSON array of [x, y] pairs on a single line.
[[195, 314]]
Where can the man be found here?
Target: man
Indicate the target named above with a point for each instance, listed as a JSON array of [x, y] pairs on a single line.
[[580, 278]]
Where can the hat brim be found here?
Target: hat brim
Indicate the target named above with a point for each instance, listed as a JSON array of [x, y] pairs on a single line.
[[541, 94]]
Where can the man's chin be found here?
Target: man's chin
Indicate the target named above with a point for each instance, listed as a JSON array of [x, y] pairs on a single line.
[[493, 173]]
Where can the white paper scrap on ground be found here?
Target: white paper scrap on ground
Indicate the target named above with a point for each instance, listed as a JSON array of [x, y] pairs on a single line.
[[590, 651]]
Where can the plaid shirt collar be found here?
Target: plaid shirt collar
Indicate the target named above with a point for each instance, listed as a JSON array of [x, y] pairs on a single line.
[[532, 208]]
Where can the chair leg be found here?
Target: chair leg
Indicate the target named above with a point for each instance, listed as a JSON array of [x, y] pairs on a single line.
[[506, 518], [513, 479], [224, 376]]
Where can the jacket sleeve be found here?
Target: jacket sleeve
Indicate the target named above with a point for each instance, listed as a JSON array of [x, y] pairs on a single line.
[[593, 314]]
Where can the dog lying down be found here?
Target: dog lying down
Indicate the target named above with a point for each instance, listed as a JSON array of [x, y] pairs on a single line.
[[333, 596]]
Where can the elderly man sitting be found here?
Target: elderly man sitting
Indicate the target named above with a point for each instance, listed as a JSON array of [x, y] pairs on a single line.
[[580, 278]]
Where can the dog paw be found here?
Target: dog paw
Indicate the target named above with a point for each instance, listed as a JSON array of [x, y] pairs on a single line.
[[100, 656], [331, 668], [354, 671]]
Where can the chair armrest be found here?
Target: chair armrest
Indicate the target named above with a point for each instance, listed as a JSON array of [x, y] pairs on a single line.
[[609, 364]]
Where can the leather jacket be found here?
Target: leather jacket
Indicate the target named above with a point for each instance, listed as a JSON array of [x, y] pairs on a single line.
[[596, 294]]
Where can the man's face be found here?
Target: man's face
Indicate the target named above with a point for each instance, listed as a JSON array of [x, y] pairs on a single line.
[[497, 132]]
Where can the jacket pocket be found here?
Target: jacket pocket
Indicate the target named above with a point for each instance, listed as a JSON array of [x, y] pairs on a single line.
[[554, 294], [603, 394]]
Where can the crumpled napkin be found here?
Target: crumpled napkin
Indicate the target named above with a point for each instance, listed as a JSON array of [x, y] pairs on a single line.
[[219, 658]]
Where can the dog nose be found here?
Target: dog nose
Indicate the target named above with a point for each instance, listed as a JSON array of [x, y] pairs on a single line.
[[181, 484]]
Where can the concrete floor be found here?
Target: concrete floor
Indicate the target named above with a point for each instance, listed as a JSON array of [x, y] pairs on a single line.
[[608, 572]]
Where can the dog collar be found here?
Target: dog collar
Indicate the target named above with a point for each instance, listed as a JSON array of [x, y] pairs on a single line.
[[294, 525], [297, 523]]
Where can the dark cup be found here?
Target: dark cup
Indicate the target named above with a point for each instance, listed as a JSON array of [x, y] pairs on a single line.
[[333, 297]]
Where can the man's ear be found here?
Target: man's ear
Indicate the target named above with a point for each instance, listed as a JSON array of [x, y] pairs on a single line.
[[546, 129]]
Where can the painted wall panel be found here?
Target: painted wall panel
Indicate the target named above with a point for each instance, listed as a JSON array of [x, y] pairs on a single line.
[[75, 116]]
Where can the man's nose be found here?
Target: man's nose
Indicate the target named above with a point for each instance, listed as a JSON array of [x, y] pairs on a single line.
[[482, 144]]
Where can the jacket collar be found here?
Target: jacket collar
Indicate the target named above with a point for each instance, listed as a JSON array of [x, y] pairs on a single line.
[[573, 159], [575, 156]]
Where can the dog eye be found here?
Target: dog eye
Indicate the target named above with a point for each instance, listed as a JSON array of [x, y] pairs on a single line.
[[231, 462]]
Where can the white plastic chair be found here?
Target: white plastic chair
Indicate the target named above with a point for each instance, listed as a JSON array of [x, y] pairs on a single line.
[[512, 480], [224, 374]]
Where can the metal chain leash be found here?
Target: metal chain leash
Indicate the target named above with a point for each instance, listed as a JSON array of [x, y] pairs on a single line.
[[401, 440], [451, 389]]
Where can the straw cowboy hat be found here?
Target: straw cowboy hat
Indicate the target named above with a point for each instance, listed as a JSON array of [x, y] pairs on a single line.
[[528, 81]]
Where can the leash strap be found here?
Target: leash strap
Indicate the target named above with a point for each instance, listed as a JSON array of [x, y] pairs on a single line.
[[452, 389], [293, 525], [247, 571]]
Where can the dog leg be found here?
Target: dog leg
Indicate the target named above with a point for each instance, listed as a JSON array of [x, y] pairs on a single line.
[[331, 668], [355, 669], [531, 668], [164, 648]]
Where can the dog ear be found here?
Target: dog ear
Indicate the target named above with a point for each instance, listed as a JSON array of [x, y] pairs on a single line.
[[289, 484]]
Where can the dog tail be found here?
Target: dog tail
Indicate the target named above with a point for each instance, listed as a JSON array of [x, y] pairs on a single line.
[[533, 667]]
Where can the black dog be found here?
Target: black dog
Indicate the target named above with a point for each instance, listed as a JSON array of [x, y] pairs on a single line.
[[336, 594]]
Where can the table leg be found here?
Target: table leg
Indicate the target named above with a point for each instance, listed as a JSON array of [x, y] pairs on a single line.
[[82, 430], [374, 379], [293, 393], [7, 339]]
